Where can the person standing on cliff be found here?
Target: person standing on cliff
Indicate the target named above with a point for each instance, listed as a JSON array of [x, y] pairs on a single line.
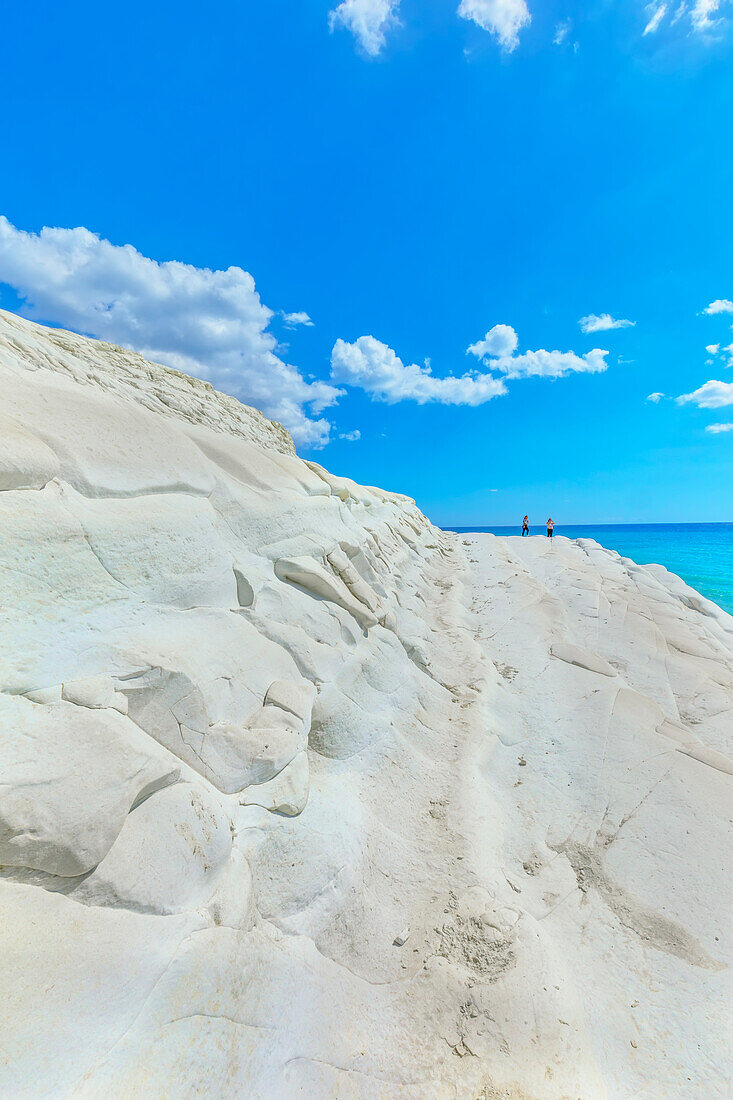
[[525, 526], [550, 525]]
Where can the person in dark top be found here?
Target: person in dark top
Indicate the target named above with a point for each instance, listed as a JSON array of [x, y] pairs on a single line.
[[525, 526]]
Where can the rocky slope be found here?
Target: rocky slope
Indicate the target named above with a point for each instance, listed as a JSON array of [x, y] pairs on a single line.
[[303, 797]]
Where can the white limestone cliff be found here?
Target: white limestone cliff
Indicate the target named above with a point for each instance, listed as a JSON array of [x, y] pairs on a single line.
[[302, 797]]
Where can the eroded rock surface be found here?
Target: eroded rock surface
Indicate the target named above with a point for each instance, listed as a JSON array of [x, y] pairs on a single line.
[[300, 796]]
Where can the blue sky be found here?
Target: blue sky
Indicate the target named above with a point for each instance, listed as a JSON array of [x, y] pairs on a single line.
[[408, 176]]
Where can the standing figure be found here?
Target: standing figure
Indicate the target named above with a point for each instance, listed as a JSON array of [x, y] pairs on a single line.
[[525, 526], [550, 525]]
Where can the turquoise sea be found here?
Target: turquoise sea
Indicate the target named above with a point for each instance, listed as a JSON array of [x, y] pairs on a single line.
[[700, 553]]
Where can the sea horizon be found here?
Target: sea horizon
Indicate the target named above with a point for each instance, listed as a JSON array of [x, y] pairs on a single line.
[[700, 553]]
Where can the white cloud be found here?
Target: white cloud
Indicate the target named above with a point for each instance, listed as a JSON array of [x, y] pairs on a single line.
[[374, 367], [602, 322], [498, 346], [211, 324], [351, 436], [658, 13], [720, 305], [500, 340], [712, 395], [725, 352], [368, 21], [293, 319], [502, 18], [717, 428], [562, 30], [655, 397], [549, 364], [702, 14]]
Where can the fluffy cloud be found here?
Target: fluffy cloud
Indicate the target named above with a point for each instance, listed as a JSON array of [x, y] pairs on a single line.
[[602, 322], [724, 351], [655, 397], [549, 364], [211, 324], [351, 436], [717, 428], [291, 320], [368, 21], [502, 18], [712, 395], [500, 340], [658, 13], [720, 305], [374, 367], [498, 346]]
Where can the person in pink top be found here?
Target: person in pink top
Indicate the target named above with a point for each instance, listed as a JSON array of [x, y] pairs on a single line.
[[550, 525]]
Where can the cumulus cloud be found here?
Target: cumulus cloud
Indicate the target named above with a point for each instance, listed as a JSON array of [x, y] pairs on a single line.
[[498, 346], [549, 364], [711, 395], [368, 21], [717, 428], [291, 320], [211, 324], [374, 367], [658, 12], [377, 369], [351, 436], [724, 352], [502, 18], [655, 397], [720, 305], [500, 340], [602, 322]]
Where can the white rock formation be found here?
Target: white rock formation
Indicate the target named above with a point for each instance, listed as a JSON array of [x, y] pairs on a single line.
[[300, 797]]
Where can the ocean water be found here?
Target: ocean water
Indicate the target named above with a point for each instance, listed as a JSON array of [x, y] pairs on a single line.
[[700, 553]]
